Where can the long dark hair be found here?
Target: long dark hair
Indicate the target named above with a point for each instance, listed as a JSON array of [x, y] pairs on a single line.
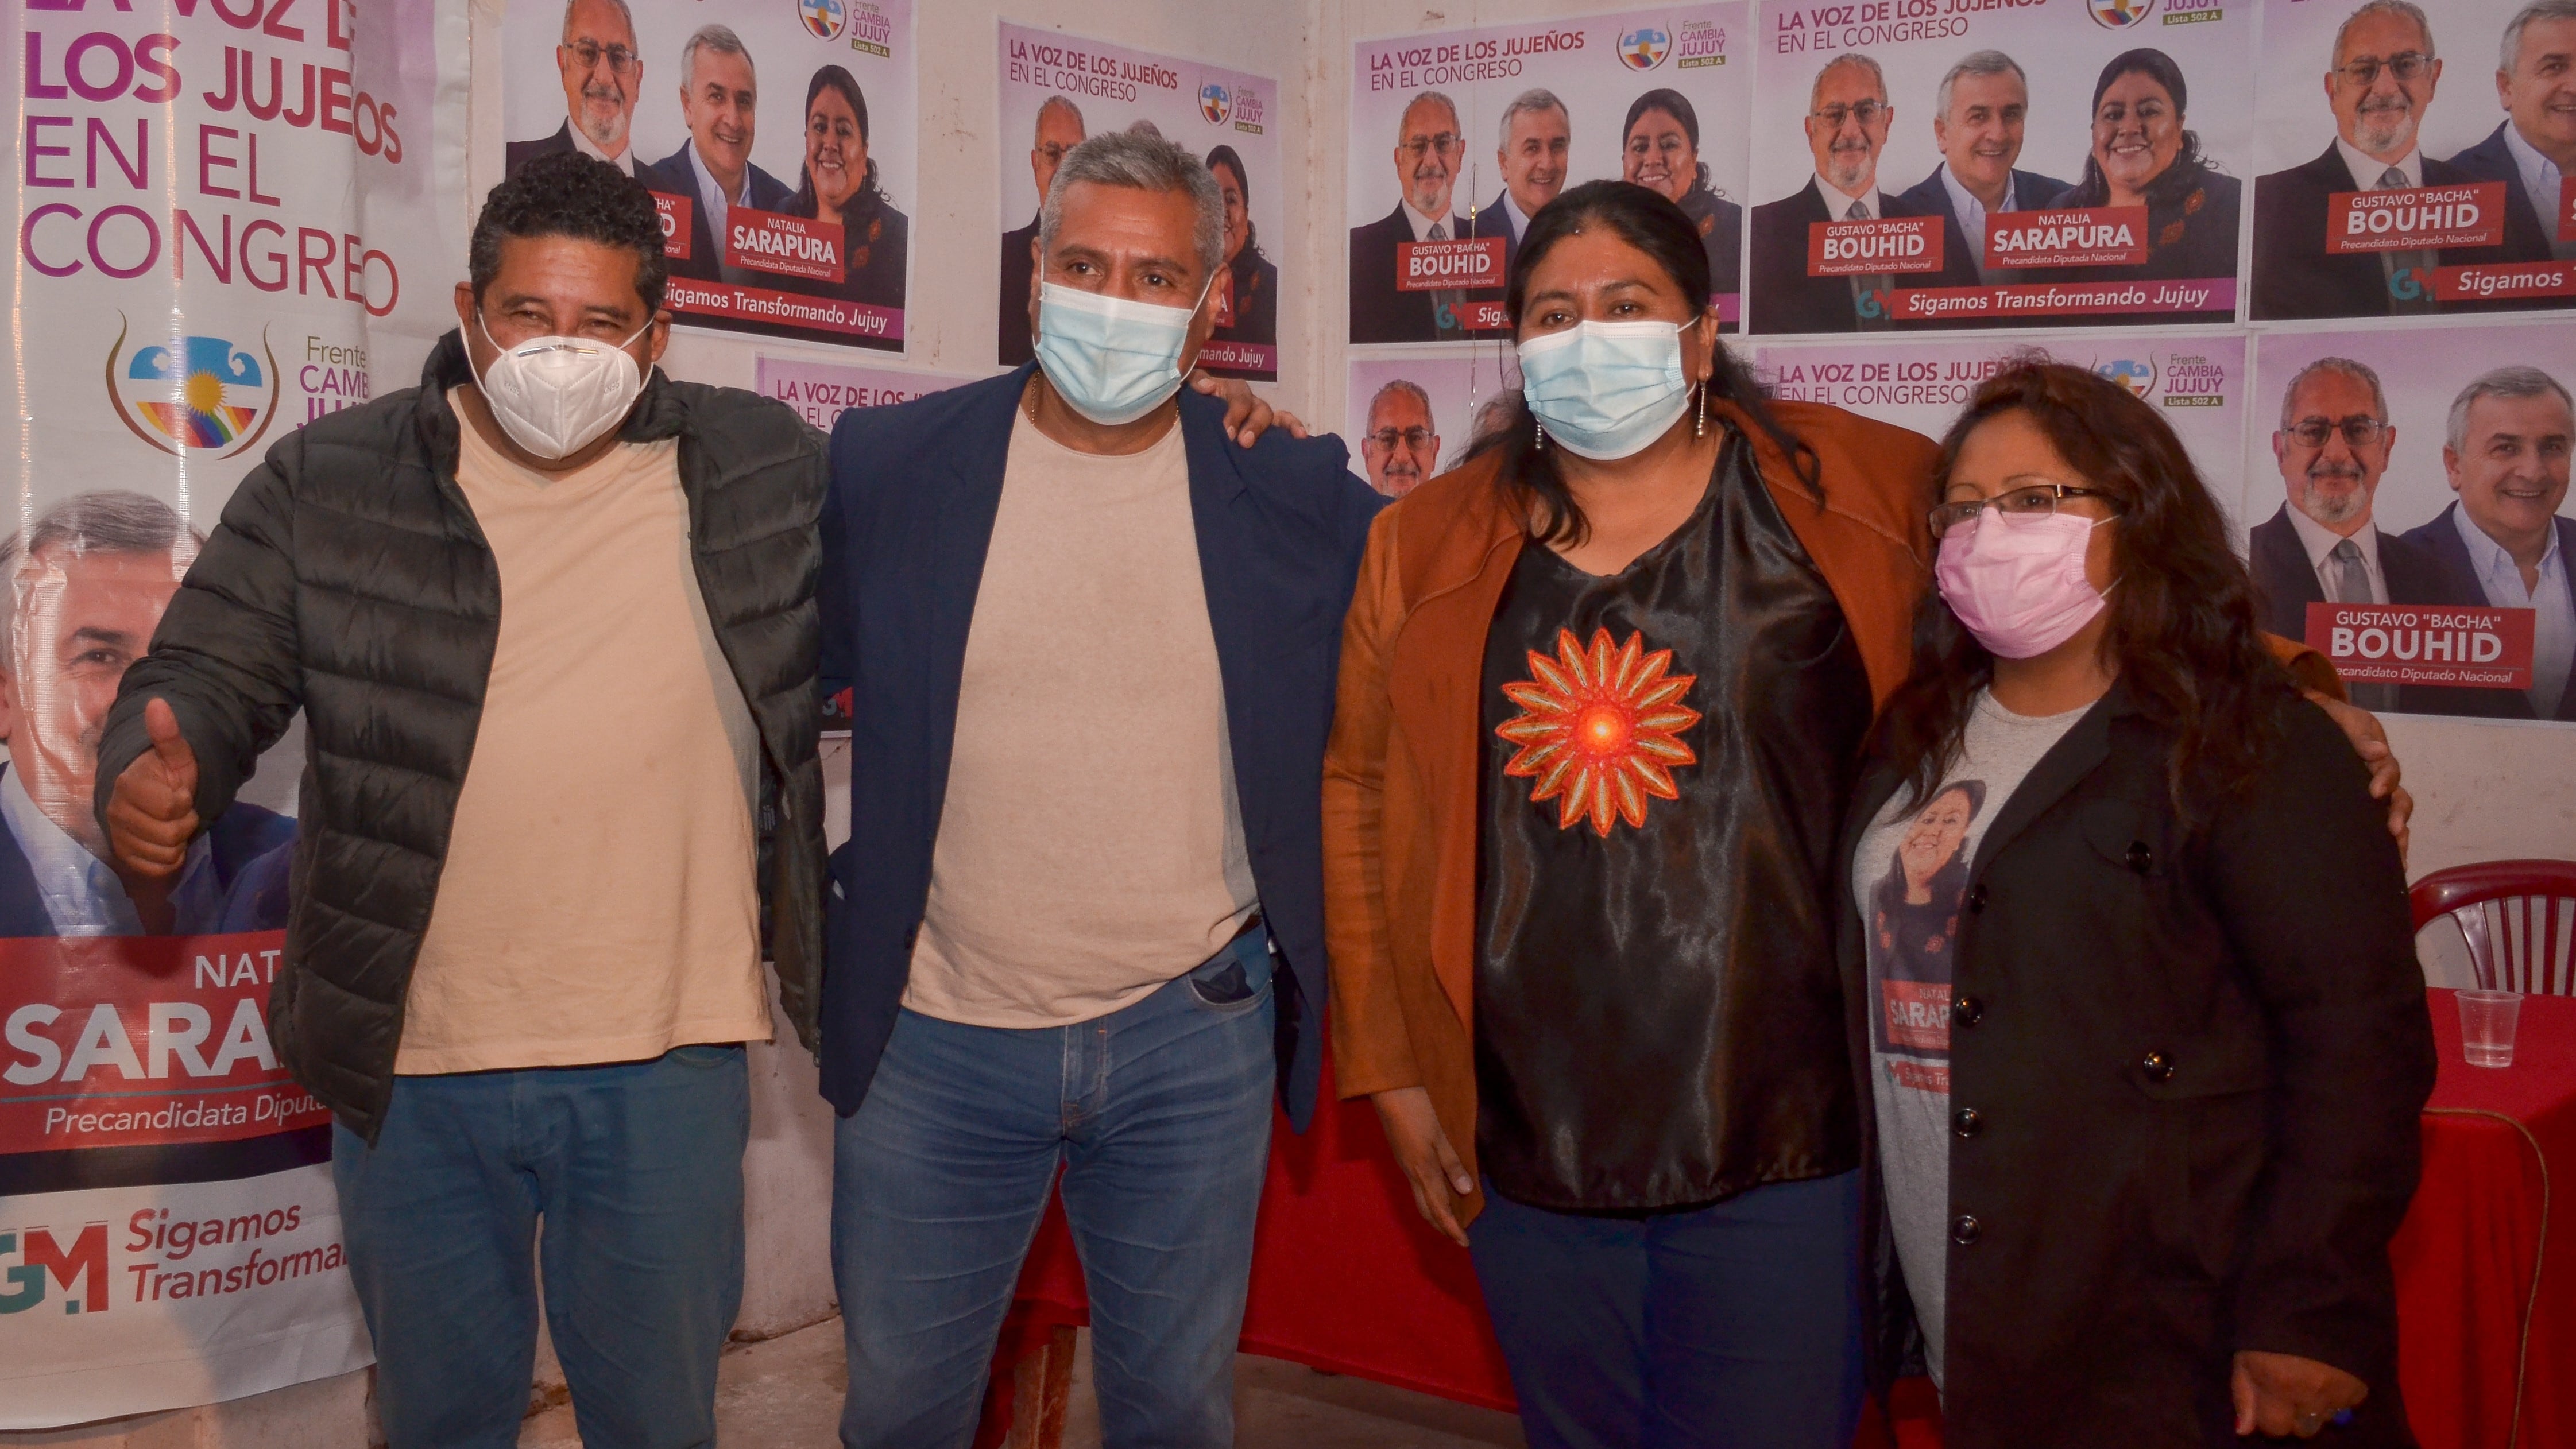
[[1224, 156], [806, 202], [2188, 163], [1649, 221], [1676, 105], [2182, 630]]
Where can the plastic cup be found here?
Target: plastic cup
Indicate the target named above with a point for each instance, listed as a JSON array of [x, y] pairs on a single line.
[[2487, 1020]]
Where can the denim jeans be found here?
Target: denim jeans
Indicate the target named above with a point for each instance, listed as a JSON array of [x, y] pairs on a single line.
[[1737, 1324], [1159, 1115], [636, 1171]]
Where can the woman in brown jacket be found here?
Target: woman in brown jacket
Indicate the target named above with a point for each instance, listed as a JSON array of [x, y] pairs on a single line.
[[1602, 697]]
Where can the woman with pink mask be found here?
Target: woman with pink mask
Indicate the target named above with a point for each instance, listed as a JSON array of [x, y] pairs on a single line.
[[2139, 1032]]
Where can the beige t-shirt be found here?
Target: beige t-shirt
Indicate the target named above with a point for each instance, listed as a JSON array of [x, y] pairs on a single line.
[[1091, 847], [598, 903]]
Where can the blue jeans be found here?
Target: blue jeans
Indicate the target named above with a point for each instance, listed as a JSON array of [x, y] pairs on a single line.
[[1159, 1114], [1737, 1324], [636, 1171]]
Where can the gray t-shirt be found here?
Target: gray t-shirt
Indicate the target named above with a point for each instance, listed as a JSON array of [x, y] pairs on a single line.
[[1908, 876]]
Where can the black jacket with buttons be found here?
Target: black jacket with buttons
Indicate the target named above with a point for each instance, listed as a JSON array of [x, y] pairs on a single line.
[[348, 579], [2186, 1069]]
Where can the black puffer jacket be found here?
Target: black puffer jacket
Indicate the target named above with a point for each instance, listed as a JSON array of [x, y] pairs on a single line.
[[349, 578]]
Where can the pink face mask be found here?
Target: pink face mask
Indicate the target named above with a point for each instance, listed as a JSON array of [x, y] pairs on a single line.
[[2018, 583]]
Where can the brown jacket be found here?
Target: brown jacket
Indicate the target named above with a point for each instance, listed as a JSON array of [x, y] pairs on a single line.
[[1400, 776]]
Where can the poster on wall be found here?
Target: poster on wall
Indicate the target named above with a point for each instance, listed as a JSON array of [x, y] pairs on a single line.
[[199, 271], [2407, 491], [2412, 164], [2071, 162], [1058, 89], [1458, 136], [1413, 418], [778, 140], [2196, 383]]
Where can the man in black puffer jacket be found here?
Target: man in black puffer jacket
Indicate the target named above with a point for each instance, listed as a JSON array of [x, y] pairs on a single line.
[[551, 620]]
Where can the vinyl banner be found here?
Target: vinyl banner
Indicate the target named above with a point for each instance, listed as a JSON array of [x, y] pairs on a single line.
[[1458, 136], [2197, 384], [1057, 89], [231, 219], [2401, 174], [778, 139], [2452, 596], [1414, 418], [1961, 163]]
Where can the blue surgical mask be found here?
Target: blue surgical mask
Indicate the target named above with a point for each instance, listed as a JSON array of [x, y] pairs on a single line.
[[1606, 389], [1110, 359]]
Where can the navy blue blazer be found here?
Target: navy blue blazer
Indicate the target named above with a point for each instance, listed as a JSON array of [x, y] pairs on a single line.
[[2441, 537], [251, 848], [674, 175], [2527, 231], [2285, 583], [915, 489], [1929, 197]]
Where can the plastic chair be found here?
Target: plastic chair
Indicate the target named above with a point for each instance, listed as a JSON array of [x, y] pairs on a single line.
[[2519, 917]]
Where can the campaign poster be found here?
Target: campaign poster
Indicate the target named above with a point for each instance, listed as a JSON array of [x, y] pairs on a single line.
[[2412, 165], [1413, 418], [2406, 488], [1458, 137], [230, 220], [778, 140], [2197, 384], [1949, 164], [1058, 89]]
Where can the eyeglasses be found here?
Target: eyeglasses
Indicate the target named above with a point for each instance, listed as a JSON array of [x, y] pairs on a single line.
[[2038, 500], [2405, 65], [620, 59], [1865, 112], [2357, 431], [1444, 143], [1414, 438]]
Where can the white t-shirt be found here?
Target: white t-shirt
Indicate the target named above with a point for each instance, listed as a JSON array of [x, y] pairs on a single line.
[[1908, 875]]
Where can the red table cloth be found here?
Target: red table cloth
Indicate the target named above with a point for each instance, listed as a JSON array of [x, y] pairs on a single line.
[[1346, 1277]]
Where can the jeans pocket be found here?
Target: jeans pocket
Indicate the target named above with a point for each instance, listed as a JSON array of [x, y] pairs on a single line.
[[704, 1055], [1224, 985]]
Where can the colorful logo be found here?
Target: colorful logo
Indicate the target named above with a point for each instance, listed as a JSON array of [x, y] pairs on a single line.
[[1216, 103], [1645, 47], [194, 394], [2120, 14], [2406, 284], [43, 1257], [2138, 377], [824, 18]]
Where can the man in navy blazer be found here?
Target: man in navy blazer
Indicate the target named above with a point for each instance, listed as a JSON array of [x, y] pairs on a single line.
[[1079, 920], [713, 169], [1980, 112], [2534, 149]]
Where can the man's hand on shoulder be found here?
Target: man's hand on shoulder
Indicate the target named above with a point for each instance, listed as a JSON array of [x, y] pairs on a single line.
[[1247, 417]]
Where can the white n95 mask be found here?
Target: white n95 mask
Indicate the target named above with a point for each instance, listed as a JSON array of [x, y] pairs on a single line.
[[555, 395], [1110, 359]]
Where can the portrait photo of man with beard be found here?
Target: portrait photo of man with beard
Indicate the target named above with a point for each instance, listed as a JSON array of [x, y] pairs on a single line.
[[601, 68], [2379, 83], [1847, 121], [1430, 144]]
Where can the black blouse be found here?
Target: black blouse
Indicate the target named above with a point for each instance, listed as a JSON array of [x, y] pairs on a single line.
[[1667, 752]]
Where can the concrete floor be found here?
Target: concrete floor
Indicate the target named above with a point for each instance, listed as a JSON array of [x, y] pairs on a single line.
[[786, 1394]]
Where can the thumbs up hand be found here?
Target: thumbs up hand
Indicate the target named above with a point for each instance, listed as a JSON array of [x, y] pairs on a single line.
[[152, 815]]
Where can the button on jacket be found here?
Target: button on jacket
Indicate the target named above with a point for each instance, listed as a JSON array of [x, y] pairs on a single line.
[[348, 579], [2186, 1115]]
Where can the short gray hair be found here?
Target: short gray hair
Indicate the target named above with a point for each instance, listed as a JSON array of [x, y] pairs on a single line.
[[2503, 382], [718, 38], [1139, 159], [1854, 57], [1434, 98], [1984, 62], [1062, 103], [2511, 49], [111, 521], [2359, 372], [622, 13], [1536, 98], [1400, 388], [2403, 9]]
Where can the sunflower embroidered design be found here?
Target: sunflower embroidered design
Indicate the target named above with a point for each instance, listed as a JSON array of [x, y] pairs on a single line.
[[1599, 729]]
